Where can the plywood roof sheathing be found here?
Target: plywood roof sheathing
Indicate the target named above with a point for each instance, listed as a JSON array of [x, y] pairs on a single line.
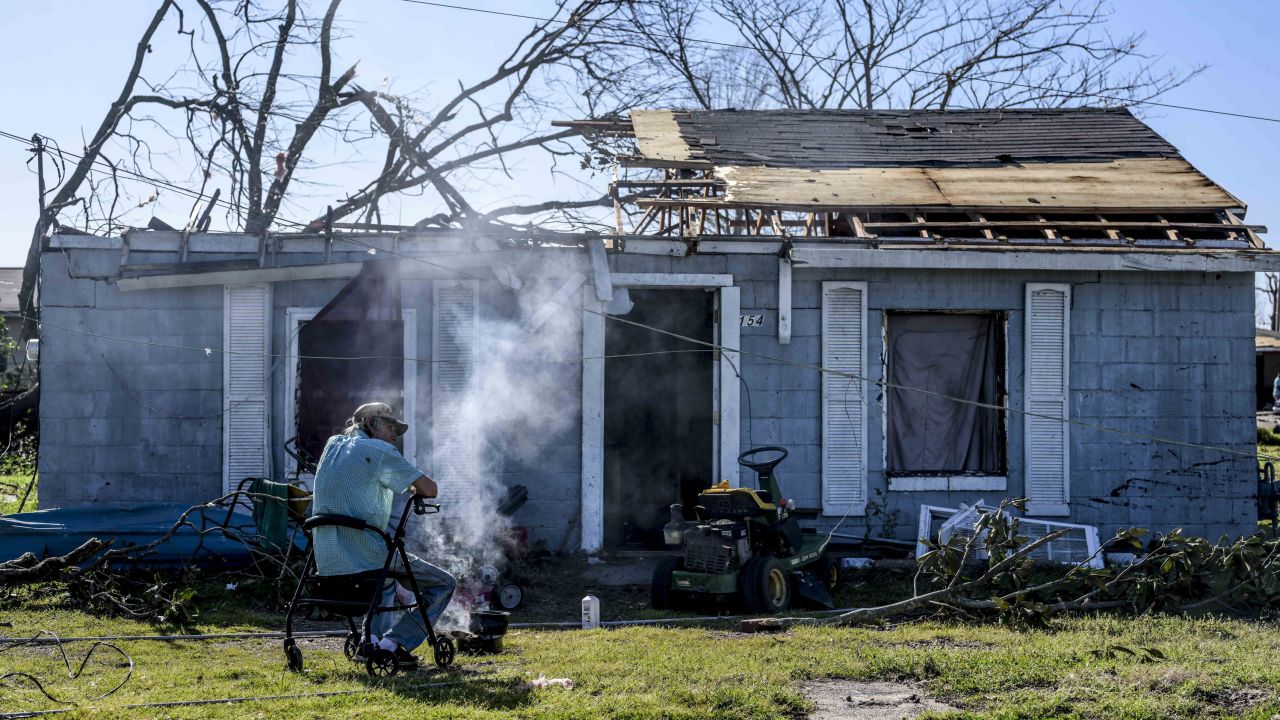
[[658, 135], [1142, 184]]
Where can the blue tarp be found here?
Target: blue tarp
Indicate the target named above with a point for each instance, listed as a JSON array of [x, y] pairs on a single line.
[[59, 531]]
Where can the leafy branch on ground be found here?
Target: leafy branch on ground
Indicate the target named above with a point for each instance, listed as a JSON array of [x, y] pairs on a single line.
[[101, 577], [993, 573]]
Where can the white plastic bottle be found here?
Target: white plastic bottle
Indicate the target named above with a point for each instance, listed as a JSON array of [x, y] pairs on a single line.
[[590, 612]]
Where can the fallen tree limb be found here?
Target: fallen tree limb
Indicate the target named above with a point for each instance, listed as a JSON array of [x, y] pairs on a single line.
[[25, 560], [50, 568]]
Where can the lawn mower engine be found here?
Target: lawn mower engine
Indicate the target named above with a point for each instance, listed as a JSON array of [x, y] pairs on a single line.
[[717, 546], [744, 543]]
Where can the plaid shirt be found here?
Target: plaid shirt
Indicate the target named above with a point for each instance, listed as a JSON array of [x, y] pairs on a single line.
[[360, 477]]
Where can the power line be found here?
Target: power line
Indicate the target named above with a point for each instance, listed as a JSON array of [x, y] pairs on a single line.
[[935, 73], [209, 350], [102, 167], [933, 393], [712, 346], [886, 384]]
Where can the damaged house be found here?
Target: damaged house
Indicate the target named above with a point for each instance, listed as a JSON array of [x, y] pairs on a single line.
[[924, 308]]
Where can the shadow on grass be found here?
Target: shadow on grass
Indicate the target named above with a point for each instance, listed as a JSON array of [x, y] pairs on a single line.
[[457, 685]]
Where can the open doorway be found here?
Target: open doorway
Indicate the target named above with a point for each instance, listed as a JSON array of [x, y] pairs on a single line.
[[658, 428]]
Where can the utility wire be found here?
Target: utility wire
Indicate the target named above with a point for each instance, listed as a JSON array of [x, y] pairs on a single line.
[[209, 350], [896, 386], [1008, 83], [712, 346], [39, 638], [933, 393], [97, 166], [232, 700]]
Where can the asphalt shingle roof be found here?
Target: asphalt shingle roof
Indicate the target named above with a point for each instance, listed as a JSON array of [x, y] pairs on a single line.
[[917, 138]]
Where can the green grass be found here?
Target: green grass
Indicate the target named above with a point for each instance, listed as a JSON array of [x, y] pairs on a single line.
[[1210, 668], [11, 489]]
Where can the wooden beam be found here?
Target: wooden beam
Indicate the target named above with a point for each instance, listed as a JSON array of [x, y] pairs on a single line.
[[686, 183], [617, 202], [985, 228], [859, 227], [728, 203], [644, 162], [776, 220], [1049, 233], [1169, 232], [645, 220], [1249, 230], [922, 222], [1112, 233]]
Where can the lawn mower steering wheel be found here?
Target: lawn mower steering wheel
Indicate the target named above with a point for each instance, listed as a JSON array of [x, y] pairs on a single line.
[[766, 466]]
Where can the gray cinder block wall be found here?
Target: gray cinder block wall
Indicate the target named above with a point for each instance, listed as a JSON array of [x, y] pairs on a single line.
[[1162, 354], [123, 419], [127, 420], [1156, 354]]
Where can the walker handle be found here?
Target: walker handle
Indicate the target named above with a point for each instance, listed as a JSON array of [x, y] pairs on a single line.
[[422, 507]]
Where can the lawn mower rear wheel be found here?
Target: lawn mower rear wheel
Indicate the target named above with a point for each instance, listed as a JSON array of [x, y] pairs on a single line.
[[765, 586]]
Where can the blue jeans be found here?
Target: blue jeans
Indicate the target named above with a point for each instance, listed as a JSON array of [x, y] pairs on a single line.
[[405, 627]]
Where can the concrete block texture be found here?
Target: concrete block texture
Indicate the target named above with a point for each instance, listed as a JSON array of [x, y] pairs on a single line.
[[1163, 355]]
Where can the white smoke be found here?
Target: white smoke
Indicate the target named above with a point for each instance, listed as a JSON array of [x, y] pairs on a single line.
[[514, 403]]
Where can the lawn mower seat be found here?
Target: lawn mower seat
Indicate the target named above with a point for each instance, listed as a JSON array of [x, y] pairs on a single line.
[[722, 502]]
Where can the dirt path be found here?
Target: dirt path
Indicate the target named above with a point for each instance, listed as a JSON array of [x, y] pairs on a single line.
[[850, 700]]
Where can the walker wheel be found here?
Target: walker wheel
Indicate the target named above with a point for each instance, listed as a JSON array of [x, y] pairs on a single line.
[[293, 655], [381, 663], [443, 651], [351, 646]]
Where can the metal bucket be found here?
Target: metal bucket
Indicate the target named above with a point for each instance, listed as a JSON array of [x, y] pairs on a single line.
[[488, 623]]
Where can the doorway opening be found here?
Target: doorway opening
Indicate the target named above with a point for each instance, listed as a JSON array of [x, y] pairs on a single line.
[[658, 427]]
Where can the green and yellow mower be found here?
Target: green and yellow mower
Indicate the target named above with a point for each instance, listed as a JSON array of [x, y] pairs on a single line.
[[746, 544]]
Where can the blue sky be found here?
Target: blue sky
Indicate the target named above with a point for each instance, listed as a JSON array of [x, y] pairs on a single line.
[[63, 62]]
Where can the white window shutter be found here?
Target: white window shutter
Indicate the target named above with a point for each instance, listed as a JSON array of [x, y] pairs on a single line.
[[453, 345], [1046, 441], [844, 403], [246, 362]]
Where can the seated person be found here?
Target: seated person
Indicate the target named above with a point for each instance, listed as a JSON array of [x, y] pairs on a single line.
[[359, 474]]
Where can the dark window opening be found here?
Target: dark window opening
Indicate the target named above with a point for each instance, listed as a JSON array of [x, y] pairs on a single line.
[[950, 355], [658, 430]]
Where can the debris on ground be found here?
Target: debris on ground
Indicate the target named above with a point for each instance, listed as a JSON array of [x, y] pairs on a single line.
[[850, 700], [543, 681]]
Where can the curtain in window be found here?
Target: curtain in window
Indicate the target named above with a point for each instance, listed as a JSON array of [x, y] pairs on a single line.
[[956, 356]]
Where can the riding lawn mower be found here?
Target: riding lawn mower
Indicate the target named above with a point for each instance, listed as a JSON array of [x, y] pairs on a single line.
[[746, 544]]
